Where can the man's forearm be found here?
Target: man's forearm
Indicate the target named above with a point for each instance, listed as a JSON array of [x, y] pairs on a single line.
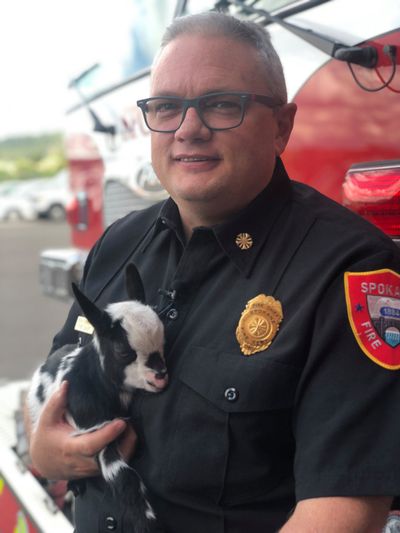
[[339, 514]]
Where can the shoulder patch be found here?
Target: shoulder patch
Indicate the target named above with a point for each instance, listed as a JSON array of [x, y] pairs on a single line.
[[373, 308]]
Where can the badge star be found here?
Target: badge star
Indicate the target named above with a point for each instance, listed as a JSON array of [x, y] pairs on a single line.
[[359, 307]]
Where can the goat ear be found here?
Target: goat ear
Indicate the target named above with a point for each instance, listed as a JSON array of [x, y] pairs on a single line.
[[99, 319], [134, 285]]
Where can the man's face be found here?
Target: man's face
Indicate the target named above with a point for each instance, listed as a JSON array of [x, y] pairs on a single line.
[[216, 173]]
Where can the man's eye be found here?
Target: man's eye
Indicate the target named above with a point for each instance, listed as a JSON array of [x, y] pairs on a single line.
[[167, 107], [225, 104], [222, 106]]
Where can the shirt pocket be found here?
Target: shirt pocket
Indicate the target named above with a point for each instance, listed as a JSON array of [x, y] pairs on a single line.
[[233, 434], [236, 383]]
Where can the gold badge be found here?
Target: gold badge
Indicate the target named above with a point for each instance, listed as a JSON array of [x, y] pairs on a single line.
[[258, 324], [83, 325], [244, 241]]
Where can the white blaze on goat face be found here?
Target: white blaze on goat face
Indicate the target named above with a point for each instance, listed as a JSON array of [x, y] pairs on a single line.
[[145, 333]]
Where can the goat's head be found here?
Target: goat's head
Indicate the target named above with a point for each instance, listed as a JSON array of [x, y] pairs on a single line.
[[129, 337]]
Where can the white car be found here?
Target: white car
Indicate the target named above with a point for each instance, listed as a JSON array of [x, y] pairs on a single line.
[[15, 203], [50, 196]]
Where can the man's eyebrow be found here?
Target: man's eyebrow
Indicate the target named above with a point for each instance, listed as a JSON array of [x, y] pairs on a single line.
[[164, 94]]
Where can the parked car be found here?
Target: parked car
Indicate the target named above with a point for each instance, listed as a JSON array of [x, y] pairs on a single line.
[[15, 203], [7, 186], [50, 196]]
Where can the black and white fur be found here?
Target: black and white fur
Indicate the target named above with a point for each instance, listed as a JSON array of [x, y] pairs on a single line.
[[125, 354]]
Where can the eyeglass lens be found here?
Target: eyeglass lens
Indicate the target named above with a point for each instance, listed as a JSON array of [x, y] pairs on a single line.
[[222, 111]]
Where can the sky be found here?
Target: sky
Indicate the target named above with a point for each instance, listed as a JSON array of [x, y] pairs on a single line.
[[43, 44]]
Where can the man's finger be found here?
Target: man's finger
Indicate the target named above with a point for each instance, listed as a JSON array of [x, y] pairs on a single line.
[[90, 444], [127, 443]]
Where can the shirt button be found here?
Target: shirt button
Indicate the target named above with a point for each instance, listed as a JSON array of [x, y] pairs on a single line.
[[111, 523], [172, 314], [231, 394]]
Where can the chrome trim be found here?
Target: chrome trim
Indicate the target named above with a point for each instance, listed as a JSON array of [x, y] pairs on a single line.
[[375, 165], [58, 269]]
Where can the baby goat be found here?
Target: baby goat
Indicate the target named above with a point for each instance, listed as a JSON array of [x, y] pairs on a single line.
[[125, 354]]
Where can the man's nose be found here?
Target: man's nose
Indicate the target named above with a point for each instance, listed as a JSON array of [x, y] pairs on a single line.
[[192, 127]]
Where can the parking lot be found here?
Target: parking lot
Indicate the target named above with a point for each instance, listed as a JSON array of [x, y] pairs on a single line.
[[28, 320]]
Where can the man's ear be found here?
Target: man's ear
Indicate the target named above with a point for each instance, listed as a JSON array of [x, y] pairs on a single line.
[[285, 120]]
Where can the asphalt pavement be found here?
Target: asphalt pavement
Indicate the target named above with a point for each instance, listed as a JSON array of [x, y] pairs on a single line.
[[28, 319]]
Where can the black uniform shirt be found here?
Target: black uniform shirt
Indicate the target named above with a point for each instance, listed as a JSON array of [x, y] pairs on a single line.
[[236, 439]]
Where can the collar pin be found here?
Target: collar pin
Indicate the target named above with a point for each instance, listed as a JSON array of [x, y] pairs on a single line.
[[244, 241]]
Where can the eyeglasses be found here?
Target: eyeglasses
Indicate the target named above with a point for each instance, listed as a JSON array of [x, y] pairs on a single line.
[[217, 111]]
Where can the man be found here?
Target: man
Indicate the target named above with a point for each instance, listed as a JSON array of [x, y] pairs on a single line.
[[281, 411]]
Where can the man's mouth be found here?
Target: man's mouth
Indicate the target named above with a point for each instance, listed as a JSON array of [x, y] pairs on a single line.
[[195, 158]]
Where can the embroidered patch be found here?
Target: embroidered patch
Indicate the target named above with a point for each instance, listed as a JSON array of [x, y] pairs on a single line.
[[373, 308]]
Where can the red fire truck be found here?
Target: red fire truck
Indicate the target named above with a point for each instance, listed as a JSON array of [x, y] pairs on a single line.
[[28, 504], [341, 60]]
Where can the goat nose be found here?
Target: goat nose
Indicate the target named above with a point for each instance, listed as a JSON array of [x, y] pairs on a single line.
[[158, 380], [161, 374]]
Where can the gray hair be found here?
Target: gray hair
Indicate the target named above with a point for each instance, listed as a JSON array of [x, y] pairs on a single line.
[[213, 23]]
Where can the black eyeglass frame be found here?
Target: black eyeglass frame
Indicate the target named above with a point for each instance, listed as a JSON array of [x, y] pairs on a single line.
[[245, 98]]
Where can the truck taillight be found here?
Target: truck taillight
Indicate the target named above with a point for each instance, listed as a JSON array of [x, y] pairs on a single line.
[[373, 191]]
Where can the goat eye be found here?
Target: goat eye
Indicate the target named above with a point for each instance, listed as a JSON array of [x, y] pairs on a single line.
[[122, 352]]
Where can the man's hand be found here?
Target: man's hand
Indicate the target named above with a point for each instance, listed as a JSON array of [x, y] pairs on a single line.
[[58, 455]]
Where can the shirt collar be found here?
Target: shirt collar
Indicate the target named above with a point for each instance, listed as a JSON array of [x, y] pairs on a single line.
[[252, 225], [169, 218]]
